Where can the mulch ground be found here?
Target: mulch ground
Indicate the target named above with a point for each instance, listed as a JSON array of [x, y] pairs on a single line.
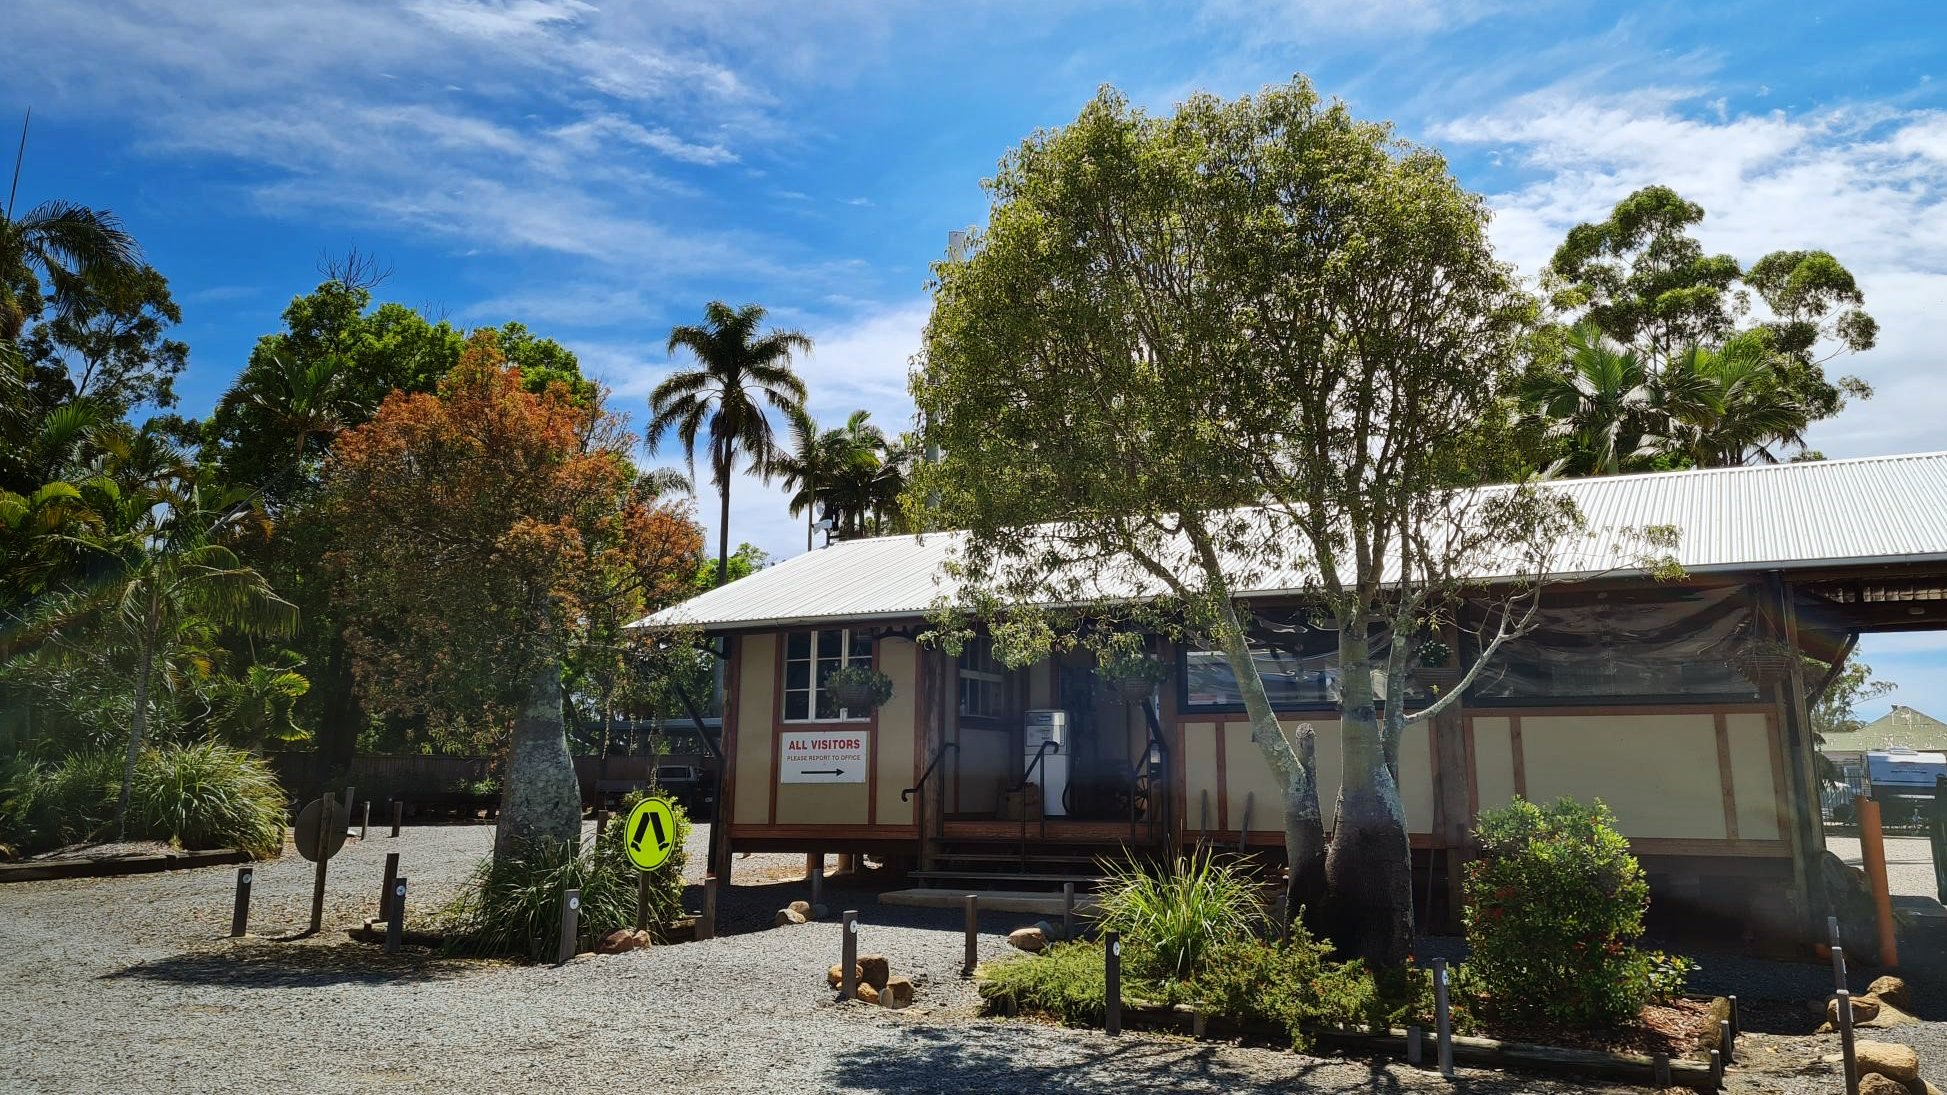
[[1676, 1029]]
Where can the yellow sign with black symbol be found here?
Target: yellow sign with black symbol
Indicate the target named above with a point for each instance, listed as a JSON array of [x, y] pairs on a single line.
[[651, 834]]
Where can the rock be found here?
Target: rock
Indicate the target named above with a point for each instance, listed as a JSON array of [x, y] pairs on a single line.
[[1888, 1059], [1851, 899], [868, 994], [786, 916], [1027, 939], [836, 976], [898, 993], [1864, 1009], [1874, 1084], [623, 939], [1890, 989], [875, 970], [802, 908]]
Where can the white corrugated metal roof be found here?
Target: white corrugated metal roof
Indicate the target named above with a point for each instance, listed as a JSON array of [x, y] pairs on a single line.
[[1784, 516]]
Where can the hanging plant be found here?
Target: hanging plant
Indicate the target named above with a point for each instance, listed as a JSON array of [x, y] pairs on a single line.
[[1762, 661], [1434, 654], [1131, 671], [858, 688]]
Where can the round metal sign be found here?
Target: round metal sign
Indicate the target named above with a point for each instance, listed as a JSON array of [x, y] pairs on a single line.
[[574, 902], [305, 833], [650, 835]]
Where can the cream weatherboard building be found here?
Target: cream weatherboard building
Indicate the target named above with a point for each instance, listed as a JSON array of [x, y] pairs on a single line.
[[1670, 701]]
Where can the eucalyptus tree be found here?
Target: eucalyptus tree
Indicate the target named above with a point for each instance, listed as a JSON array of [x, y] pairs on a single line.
[[1250, 346], [739, 372]]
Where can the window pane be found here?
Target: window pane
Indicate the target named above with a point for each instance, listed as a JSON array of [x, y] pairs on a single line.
[[831, 644], [826, 708], [797, 705], [797, 675], [1288, 678], [861, 650], [798, 645]]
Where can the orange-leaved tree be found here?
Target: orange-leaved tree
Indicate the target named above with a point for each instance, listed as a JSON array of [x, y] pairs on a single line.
[[483, 527]]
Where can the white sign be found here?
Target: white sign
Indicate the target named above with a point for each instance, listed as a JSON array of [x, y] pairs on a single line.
[[823, 756]]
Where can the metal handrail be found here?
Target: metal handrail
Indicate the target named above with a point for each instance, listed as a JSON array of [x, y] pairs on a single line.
[[1153, 718], [919, 812], [1021, 789]]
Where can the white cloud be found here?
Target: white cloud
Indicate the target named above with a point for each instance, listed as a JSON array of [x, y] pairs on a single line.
[[1275, 21], [1867, 183]]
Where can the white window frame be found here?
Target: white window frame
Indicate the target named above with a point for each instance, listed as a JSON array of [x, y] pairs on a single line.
[[812, 690], [986, 655]]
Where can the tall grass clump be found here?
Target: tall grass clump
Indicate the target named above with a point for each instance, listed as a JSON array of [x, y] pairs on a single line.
[[1179, 911], [512, 908], [208, 795], [46, 805]]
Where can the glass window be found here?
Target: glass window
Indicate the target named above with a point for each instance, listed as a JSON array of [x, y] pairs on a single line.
[[805, 698], [981, 683], [1289, 678], [1664, 643]]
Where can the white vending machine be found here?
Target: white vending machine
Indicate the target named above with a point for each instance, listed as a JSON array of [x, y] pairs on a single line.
[[1046, 726]]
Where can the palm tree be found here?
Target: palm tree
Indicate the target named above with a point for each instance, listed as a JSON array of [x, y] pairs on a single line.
[[853, 454], [739, 372], [803, 467], [1728, 406], [54, 243], [1601, 402]]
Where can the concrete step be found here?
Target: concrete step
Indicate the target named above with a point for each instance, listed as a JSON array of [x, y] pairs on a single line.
[[1015, 901]]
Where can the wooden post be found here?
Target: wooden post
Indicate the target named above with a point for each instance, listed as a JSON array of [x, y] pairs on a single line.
[[1112, 992], [1872, 848], [351, 796], [327, 818], [395, 925], [1737, 1023], [1414, 1054], [642, 901], [973, 936], [1727, 1041], [385, 888], [570, 921], [706, 925], [240, 914], [1067, 911], [1660, 1071], [601, 823], [365, 822], [1442, 1020], [814, 867], [1850, 1051], [398, 815], [848, 957]]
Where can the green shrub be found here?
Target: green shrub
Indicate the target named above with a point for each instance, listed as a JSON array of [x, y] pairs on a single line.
[[1173, 914], [1067, 981], [1286, 986], [513, 908], [1553, 907], [47, 806], [207, 795]]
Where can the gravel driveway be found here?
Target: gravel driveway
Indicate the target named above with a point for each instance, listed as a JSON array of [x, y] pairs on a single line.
[[127, 985]]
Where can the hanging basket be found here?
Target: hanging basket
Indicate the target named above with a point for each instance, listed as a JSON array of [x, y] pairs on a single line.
[[1762, 663], [858, 689], [1443, 676], [1134, 689]]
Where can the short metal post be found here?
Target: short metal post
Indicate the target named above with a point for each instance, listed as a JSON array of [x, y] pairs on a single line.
[[1068, 910], [1737, 1024], [1660, 1070], [1414, 1053], [1716, 1071], [365, 821], [1112, 991], [240, 915], [327, 819], [1442, 1020], [848, 957], [1839, 969], [395, 925], [973, 936], [814, 867], [385, 888], [706, 925], [398, 815], [642, 901], [351, 796], [1197, 1024], [1851, 1052], [570, 921], [1727, 1041]]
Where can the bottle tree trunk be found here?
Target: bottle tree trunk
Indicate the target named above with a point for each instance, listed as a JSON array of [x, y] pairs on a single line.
[[137, 723], [541, 801], [1369, 867]]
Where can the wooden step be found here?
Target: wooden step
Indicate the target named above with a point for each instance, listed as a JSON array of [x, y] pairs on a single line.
[[1001, 857], [1079, 880], [1035, 902]]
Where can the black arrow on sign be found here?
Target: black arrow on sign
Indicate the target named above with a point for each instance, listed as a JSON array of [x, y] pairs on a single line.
[[824, 772]]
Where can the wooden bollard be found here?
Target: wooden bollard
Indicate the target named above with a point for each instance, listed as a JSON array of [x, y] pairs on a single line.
[[1442, 1018], [398, 815], [1067, 911], [365, 821], [601, 823], [1727, 1041], [351, 796], [1737, 1024], [1414, 1053], [395, 925], [385, 888], [1197, 1025], [1112, 990], [570, 922], [1660, 1070], [706, 925], [1716, 1071], [240, 914], [327, 820], [1849, 1051], [848, 957], [973, 936]]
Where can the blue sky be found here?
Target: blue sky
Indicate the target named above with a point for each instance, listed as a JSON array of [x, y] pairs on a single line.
[[600, 171]]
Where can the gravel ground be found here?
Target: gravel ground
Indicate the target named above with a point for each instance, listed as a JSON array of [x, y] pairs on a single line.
[[126, 985], [1909, 862]]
